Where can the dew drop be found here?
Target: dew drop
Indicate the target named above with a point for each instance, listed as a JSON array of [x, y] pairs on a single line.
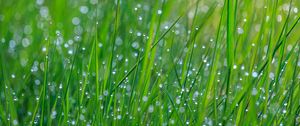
[[177, 101], [93, 2], [279, 18], [15, 122], [145, 98], [105, 93], [181, 109], [240, 30], [150, 109], [25, 42], [159, 12], [44, 12], [295, 10], [254, 91], [12, 44], [75, 21], [119, 117], [135, 45], [44, 49], [39, 2], [27, 29], [84, 9], [254, 74]]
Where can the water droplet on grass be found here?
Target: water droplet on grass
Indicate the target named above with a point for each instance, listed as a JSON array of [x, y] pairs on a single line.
[[44, 49], [187, 123], [240, 30], [70, 52], [93, 2], [254, 91], [73, 122], [159, 12], [13, 76], [84, 9], [27, 29], [177, 101], [150, 109], [166, 27], [284, 111], [44, 12], [12, 44], [75, 21], [279, 18], [145, 98], [234, 66], [60, 86], [181, 109], [271, 75], [140, 18], [135, 45], [295, 10], [119, 117], [15, 122], [53, 114], [37, 82], [172, 121], [254, 74], [25, 42], [78, 30], [105, 93], [39, 2], [119, 41]]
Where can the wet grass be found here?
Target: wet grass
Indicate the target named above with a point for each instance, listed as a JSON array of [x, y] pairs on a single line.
[[160, 62]]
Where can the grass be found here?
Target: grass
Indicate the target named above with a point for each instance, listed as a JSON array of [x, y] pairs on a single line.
[[160, 62]]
